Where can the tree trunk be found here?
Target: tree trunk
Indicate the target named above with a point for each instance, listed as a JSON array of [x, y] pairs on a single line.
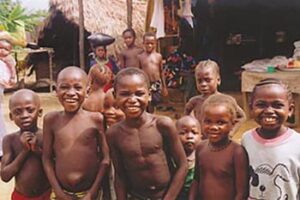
[[81, 35], [129, 13]]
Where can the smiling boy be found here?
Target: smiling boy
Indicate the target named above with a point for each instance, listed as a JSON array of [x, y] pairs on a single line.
[[143, 145], [75, 152]]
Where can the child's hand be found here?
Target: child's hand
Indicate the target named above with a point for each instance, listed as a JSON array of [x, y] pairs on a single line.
[[25, 138], [164, 91], [33, 144]]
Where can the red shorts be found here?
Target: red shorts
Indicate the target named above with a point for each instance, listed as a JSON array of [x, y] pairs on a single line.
[[17, 196]]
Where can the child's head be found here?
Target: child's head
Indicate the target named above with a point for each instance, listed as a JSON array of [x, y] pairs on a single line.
[[189, 132], [218, 117], [271, 104], [100, 52], [5, 48], [149, 41], [24, 109], [207, 74], [129, 36], [131, 87], [112, 113], [71, 88]]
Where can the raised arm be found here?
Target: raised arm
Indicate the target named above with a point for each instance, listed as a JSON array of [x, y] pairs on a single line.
[[171, 139], [48, 156], [105, 162], [119, 184], [241, 166], [11, 165]]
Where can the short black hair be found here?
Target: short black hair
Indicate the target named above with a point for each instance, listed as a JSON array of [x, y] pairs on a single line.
[[129, 71], [149, 34], [130, 30], [270, 81], [222, 99], [204, 64]]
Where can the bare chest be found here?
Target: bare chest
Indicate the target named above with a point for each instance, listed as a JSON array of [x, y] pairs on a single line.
[[140, 142]]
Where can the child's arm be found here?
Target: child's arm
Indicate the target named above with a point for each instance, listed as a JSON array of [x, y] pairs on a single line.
[[241, 166], [48, 156], [122, 60], [189, 107], [11, 165], [170, 137], [164, 90], [104, 165], [120, 185], [193, 193]]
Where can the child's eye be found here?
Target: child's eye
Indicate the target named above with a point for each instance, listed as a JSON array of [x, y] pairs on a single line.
[[221, 122], [195, 132], [206, 121], [181, 133], [207, 80], [278, 105], [260, 105], [140, 93], [30, 110]]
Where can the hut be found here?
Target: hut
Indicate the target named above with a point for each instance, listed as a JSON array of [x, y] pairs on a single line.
[[61, 29]]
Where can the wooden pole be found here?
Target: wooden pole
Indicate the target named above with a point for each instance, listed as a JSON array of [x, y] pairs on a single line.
[[129, 13], [81, 35]]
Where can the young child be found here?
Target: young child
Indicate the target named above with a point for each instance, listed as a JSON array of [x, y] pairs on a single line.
[[273, 148], [7, 79], [190, 134], [111, 111], [144, 162], [207, 74], [22, 150], [100, 75], [151, 62], [112, 114], [128, 56], [221, 164], [75, 154]]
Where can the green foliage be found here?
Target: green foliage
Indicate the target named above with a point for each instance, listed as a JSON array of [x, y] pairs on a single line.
[[12, 15]]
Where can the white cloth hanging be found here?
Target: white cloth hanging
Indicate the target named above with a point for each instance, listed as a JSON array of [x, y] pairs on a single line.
[[158, 19]]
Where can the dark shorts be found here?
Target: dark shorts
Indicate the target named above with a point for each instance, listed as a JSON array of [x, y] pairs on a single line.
[[155, 88], [139, 197]]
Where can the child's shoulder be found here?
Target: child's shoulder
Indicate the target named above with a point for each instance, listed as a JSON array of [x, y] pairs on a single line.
[[196, 99], [11, 136], [162, 120], [53, 115]]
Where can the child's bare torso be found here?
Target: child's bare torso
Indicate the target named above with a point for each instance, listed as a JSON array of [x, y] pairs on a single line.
[[31, 180], [217, 172], [151, 64], [75, 148], [130, 56], [145, 162]]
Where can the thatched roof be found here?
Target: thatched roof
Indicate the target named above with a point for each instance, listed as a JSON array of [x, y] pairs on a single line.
[[105, 16]]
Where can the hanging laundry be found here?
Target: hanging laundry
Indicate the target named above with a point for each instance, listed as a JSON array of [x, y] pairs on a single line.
[[158, 19]]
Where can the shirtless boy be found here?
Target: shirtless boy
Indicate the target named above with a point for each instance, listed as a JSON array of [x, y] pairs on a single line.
[[151, 62], [128, 56], [22, 149], [75, 155], [142, 163]]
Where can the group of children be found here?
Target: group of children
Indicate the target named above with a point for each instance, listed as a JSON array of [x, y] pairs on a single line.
[[152, 157]]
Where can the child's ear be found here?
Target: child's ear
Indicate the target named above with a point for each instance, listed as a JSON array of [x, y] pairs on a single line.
[[40, 113], [291, 109], [219, 81], [10, 116]]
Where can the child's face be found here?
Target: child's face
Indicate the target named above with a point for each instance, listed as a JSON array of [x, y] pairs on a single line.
[[149, 44], [128, 38], [71, 90], [217, 122], [25, 112], [189, 134], [207, 81], [132, 95], [270, 106], [111, 111], [100, 52], [5, 48]]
